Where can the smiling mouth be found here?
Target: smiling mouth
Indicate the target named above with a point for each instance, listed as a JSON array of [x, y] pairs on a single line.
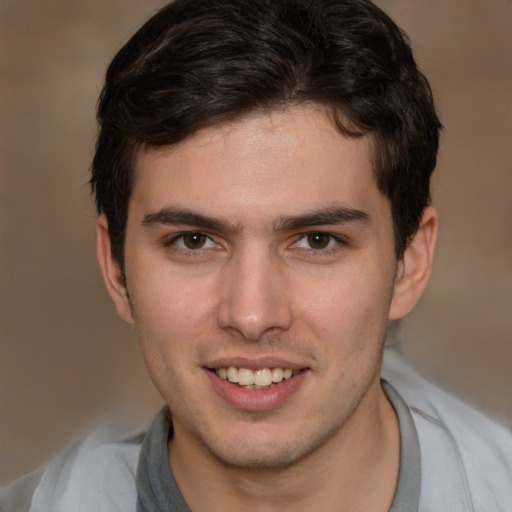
[[264, 378]]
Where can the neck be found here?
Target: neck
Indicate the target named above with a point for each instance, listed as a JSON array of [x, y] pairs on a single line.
[[355, 469]]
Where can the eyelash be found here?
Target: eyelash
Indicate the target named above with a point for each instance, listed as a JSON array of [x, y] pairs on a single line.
[[334, 243], [331, 238], [181, 236]]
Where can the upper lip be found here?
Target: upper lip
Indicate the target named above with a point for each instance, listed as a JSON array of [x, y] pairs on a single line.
[[255, 363]]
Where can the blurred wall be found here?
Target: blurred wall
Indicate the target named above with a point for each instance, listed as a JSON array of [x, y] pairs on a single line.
[[66, 359]]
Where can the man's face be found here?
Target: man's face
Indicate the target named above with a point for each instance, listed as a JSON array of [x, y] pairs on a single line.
[[262, 244]]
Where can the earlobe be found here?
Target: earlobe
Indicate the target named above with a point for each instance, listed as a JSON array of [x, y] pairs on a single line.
[[414, 268], [111, 271]]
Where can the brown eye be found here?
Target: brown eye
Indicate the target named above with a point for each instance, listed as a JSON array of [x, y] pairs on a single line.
[[194, 240], [318, 240]]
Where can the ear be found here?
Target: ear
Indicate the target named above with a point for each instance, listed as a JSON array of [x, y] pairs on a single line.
[[111, 271], [414, 268]]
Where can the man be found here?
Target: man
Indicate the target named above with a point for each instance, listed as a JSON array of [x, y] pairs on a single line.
[[262, 178]]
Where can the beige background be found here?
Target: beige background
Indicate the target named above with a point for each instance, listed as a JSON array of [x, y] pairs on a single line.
[[65, 358]]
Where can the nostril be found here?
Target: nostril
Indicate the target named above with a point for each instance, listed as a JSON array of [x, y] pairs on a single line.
[[253, 299], [254, 325]]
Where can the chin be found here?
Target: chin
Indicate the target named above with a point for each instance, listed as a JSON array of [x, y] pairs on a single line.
[[265, 448], [268, 458]]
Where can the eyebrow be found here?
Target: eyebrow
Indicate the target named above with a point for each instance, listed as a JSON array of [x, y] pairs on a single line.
[[181, 216], [326, 216], [330, 216]]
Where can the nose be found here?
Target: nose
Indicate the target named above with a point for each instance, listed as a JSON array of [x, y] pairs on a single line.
[[254, 296]]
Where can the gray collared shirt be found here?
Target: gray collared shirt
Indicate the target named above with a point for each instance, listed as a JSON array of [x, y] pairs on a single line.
[[157, 489]]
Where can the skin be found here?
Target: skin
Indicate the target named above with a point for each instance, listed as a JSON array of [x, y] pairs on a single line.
[[261, 281]]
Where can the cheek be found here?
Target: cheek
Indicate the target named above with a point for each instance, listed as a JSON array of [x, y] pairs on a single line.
[[349, 306], [169, 325], [165, 297], [172, 315]]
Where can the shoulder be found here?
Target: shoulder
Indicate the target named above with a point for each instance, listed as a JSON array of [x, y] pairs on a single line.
[[17, 496], [465, 455], [97, 472]]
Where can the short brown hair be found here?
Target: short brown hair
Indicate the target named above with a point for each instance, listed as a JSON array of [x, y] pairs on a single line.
[[201, 62]]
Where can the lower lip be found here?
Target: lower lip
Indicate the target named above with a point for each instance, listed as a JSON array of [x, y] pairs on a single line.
[[256, 399]]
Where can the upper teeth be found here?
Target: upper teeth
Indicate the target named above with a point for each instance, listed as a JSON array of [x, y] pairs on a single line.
[[261, 378]]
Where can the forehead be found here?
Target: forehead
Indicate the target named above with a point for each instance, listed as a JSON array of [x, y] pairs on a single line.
[[283, 163]]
